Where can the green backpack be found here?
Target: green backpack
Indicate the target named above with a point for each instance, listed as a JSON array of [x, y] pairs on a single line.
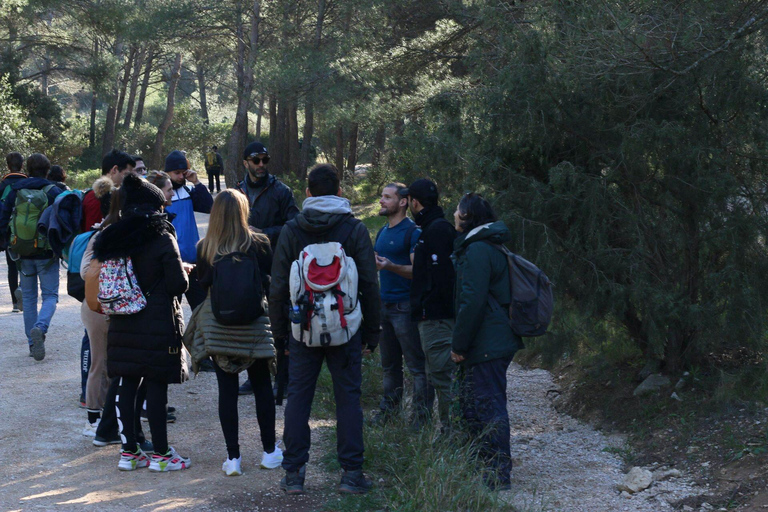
[[26, 240]]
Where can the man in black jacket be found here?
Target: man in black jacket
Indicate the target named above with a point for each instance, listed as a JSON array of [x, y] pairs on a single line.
[[325, 217], [15, 162], [432, 290], [272, 205]]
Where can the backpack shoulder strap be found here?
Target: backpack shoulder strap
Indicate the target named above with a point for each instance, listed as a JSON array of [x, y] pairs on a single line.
[[407, 241], [344, 229], [510, 264]]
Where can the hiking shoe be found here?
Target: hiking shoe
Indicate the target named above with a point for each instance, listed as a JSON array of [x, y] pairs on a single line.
[[103, 441], [169, 416], [81, 403], [272, 460], [293, 481], [147, 447], [354, 482], [231, 467], [38, 343], [246, 388], [15, 309], [171, 461], [18, 304], [30, 351], [90, 429], [170, 409], [130, 461]]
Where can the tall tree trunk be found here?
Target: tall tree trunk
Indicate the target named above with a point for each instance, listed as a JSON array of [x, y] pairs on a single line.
[[138, 63], [157, 150], [294, 150], [272, 116], [279, 140], [245, 66], [108, 138], [259, 116], [125, 80], [340, 151], [352, 157], [380, 140], [92, 125], [201, 89], [144, 86], [46, 72], [309, 107]]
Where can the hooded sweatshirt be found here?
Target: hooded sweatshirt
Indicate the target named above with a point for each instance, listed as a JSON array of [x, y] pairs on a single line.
[[317, 222]]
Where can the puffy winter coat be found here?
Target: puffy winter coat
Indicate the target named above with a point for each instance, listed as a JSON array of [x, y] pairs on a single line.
[[148, 343]]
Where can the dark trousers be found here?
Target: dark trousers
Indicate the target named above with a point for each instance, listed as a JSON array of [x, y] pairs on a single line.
[[128, 409], [108, 427], [85, 360], [13, 275], [195, 294], [344, 363], [211, 176], [258, 373], [483, 396], [400, 340]]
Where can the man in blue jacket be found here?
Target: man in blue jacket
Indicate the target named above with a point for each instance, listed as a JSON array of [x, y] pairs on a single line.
[[184, 203], [40, 265]]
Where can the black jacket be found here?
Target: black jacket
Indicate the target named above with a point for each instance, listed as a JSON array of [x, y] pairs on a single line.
[[319, 224], [148, 343], [433, 273], [272, 209]]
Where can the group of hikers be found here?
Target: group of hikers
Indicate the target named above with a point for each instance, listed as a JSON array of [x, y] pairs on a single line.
[[269, 281]]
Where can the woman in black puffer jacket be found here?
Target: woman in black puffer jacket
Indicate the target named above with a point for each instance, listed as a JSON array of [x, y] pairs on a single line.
[[147, 344]]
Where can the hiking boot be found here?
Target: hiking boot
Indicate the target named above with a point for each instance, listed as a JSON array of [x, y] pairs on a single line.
[[272, 460], [354, 482], [18, 304], [293, 481], [130, 461], [246, 388], [15, 309], [103, 441], [171, 461], [231, 467], [38, 343]]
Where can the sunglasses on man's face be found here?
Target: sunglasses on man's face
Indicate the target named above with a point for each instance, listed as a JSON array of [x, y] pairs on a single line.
[[256, 159]]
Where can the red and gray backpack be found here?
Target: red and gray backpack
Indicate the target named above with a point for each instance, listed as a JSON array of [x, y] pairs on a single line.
[[323, 288]]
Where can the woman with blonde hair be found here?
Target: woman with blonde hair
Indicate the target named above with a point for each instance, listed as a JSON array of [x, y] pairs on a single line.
[[229, 232]]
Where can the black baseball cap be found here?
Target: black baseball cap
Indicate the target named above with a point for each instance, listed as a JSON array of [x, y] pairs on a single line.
[[253, 149], [422, 189]]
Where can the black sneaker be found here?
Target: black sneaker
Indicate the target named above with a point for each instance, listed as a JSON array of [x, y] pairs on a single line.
[[18, 303], [38, 343], [170, 408], [354, 482], [293, 481], [169, 416], [103, 441], [246, 388]]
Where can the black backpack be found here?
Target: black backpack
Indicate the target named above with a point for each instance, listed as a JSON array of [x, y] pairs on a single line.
[[236, 292]]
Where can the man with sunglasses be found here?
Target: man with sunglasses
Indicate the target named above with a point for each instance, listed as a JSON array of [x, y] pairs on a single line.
[[271, 206]]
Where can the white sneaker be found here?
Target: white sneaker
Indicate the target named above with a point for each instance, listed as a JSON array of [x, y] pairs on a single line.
[[274, 459], [170, 461], [231, 467], [90, 429], [130, 461]]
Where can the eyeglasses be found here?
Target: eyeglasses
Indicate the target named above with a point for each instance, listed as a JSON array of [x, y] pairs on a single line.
[[256, 159]]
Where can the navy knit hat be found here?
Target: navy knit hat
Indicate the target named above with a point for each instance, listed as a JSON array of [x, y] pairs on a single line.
[[175, 161], [253, 149]]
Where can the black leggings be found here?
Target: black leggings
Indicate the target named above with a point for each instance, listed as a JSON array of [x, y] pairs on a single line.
[[157, 400], [13, 275], [259, 375]]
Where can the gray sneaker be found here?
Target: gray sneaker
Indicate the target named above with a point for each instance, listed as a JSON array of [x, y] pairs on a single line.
[[38, 343], [18, 304]]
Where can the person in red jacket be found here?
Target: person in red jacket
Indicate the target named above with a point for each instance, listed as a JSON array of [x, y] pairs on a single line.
[[115, 165]]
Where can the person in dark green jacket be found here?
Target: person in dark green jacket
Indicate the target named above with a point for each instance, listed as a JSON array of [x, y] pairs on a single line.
[[483, 343]]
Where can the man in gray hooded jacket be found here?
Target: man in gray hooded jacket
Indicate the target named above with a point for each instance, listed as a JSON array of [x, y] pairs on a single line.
[[325, 217]]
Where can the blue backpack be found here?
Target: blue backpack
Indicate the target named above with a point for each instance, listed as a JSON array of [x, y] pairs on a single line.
[[75, 283]]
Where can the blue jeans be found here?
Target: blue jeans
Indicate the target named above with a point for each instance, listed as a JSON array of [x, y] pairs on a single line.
[[345, 364], [483, 397], [400, 340], [47, 273]]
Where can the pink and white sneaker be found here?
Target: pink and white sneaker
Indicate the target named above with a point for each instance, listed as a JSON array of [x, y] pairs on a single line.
[[170, 461], [130, 461]]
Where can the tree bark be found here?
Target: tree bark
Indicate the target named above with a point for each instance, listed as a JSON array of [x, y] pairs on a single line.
[[138, 63], [259, 116], [124, 81], [294, 151], [352, 157], [157, 151], [245, 64], [340, 151], [108, 138], [309, 107], [92, 125], [201, 89], [144, 86], [278, 140], [379, 142], [272, 117]]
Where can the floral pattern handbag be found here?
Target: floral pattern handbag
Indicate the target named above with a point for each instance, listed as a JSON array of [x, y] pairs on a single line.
[[119, 291]]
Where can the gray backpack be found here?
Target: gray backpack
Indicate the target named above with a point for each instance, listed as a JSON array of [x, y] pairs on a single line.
[[533, 301]]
